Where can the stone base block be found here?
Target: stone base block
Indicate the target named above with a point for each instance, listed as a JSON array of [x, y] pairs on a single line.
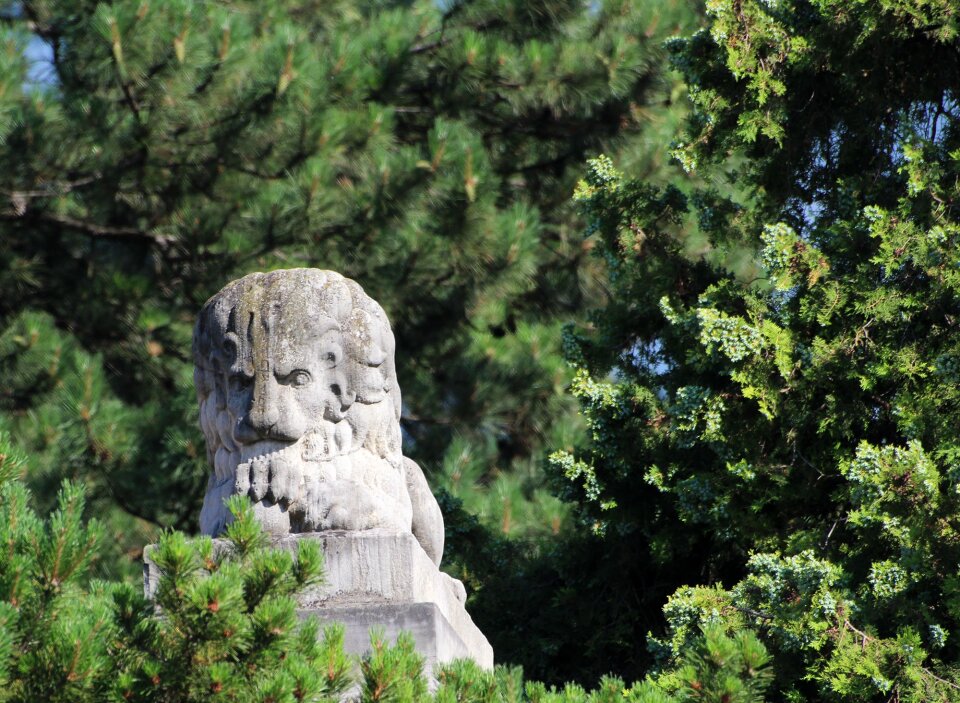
[[437, 641], [382, 578]]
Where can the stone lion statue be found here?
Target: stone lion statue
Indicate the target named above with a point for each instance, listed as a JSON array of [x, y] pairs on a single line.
[[300, 408]]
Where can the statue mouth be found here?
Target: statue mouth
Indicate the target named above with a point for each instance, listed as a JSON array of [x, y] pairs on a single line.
[[322, 443], [276, 470], [263, 448]]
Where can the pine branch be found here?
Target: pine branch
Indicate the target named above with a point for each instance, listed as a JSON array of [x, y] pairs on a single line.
[[418, 419], [130, 99], [89, 228], [52, 188], [429, 46], [442, 41], [32, 25]]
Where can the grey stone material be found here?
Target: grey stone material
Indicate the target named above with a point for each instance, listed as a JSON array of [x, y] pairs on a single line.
[[390, 567], [300, 409], [436, 640], [387, 572]]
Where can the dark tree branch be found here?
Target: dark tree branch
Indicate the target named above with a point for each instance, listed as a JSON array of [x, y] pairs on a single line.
[[90, 228]]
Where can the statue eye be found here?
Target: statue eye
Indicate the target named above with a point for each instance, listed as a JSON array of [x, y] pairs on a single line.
[[375, 356], [297, 378], [240, 381], [329, 354], [330, 359]]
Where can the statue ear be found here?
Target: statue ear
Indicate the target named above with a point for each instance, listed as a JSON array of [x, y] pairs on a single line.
[[322, 325], [203, 382], [230, 346], [336, 300], [235, 356]]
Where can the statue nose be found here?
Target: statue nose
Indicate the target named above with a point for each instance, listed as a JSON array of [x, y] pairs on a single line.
[[343, 390], [263, 420], [264, 415]]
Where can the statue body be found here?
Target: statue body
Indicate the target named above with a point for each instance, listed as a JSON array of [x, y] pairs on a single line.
[[300, 408]]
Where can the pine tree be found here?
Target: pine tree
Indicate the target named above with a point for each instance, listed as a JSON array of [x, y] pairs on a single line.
[[223, 627], [156, 150], [772, 390], [227, 631]]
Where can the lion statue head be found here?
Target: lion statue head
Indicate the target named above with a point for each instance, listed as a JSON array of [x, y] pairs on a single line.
[[300, 408]]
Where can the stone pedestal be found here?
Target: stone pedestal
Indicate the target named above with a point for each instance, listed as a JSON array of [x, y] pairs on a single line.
[[382, 578]]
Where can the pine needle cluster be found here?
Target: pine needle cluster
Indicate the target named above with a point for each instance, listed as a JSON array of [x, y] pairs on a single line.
[[222, 625]]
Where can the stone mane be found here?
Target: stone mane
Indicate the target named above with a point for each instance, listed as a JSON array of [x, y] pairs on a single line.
[[300, 408]]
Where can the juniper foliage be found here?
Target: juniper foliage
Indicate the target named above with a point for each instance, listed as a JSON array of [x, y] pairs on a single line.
[[772, 394]]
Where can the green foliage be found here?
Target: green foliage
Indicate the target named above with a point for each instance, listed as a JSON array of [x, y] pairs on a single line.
[[227, 628], [771, 393], [392, 673], [51, 632], [60, 406], [722, 669], [222, 626], [156, 150]]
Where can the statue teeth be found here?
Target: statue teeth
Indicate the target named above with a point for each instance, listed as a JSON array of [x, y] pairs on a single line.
[[342, 435], [259, 477], [249, 452]]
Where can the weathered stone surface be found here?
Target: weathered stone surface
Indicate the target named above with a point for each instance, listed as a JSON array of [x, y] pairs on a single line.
[[388, 574], [300, 407], [436, 639]]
